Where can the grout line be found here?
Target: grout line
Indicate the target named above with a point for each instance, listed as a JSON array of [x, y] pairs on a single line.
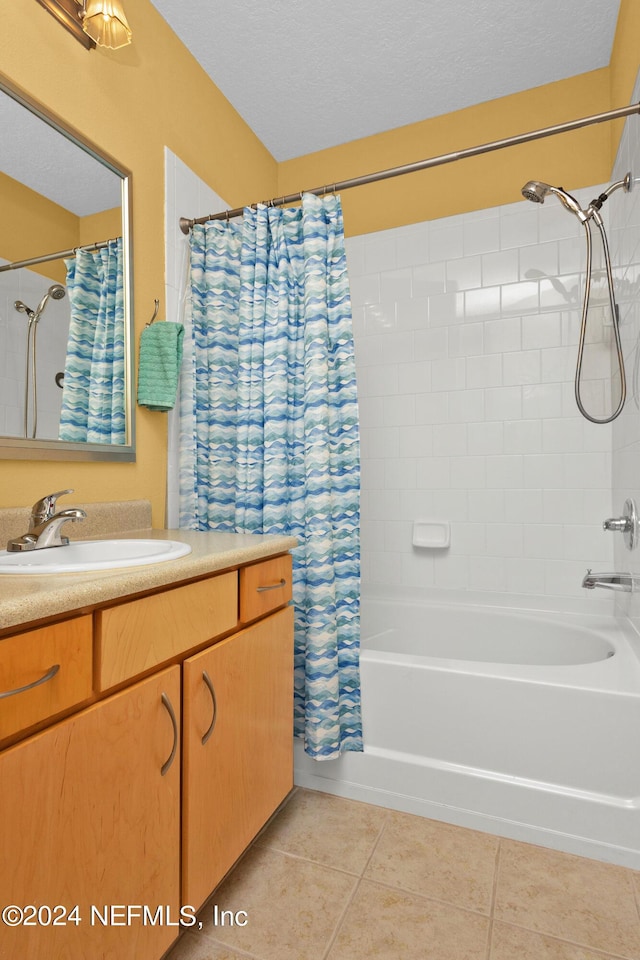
[[376, 842], [340, 920], [596, 951], [494, 894]]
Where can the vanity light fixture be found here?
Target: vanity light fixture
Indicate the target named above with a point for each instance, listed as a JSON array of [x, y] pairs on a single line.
[[92, 22], [105, 22]]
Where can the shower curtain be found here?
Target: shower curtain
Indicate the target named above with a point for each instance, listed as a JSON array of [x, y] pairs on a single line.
[[93, 386], [269, 432]]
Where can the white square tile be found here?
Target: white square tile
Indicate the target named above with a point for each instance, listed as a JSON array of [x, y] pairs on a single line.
[[484, 371], [398, 410], [416, 441], [365, 289], [544, 400], [539, 260], [432, 344], [450, 439], [395, 284], [481, 236], [486, 438], [449, 375], [467, 473], [445, 308], [428, 279], [521, 367], [523, 506], [445, 240], [544, 470], [463, 274], [412, 314], [526, 576], [379, 317], [522, 436], [519, 298], [498, 268], [503, 403], [482, 303], [379, 252], [542, 330], [562, 435], [415, 377], [543, 541], [451, 572], [486, 506], [505, 471], [466, 406], [502, 336], [465, 339], [433, 473], [519, 227], [489, 574], [397, 536], [504, 539], [412, 245], [468, 539], [432, 408]]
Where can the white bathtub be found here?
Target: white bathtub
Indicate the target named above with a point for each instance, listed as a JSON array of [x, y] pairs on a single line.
[[523, 724]]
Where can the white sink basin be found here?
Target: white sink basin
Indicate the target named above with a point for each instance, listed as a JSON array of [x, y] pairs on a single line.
[[92, 555]]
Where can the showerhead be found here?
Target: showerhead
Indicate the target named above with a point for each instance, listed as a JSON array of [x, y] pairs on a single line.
[[537, 190], [23, 308]]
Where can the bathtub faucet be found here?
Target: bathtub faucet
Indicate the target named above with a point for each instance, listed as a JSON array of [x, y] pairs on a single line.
[[609, 581]]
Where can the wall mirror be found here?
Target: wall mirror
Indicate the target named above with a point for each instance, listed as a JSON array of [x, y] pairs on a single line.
[[66, 325]]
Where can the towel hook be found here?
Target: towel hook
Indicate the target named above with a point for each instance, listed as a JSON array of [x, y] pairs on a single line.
[[155, 312]]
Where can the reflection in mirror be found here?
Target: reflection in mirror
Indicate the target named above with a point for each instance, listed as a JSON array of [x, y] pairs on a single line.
[[65, 324]]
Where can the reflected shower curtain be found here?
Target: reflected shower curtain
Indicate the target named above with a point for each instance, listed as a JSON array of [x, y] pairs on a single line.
[[270, 436], [93, 388]]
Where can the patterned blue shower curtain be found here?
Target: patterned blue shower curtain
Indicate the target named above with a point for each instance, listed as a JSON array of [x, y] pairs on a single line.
[[93, 387], [270, 436]]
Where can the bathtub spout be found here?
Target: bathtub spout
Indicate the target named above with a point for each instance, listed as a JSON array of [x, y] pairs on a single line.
[[608, 581]]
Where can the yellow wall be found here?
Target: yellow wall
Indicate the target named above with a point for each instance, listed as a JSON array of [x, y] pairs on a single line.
[[130, 103], [32, 225], [574, 159], [133, 101]]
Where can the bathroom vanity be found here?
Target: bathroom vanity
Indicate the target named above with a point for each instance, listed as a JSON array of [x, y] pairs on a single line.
[[155, 747]]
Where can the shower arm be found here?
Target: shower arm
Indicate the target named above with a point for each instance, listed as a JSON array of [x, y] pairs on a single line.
[[615, 316]]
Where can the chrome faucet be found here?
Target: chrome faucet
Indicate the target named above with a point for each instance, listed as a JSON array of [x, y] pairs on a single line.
[[45, 525], [609, 581]]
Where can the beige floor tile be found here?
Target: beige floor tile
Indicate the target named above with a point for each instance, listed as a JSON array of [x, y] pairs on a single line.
[[338, 833], [436, 860], [385, 924], [194, 947], [292, 906], [514, 943], [584, 901]]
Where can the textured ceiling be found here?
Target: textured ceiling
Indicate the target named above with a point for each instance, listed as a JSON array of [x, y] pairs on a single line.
[[307, 75], [37, 155]]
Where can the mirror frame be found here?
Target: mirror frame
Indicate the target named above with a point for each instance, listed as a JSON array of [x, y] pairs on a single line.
[[18, 448]]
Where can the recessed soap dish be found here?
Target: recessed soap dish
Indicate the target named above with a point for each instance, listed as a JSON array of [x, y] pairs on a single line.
[[431, 534]]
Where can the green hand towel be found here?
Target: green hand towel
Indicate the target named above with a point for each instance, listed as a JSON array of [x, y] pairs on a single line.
[[159, 365]]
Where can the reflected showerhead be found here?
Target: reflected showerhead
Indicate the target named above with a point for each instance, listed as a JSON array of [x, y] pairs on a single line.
[[22, 307], [537, 190], [55, 292]]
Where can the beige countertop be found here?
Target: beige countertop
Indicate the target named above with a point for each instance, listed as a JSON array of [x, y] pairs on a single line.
[[25, 598]]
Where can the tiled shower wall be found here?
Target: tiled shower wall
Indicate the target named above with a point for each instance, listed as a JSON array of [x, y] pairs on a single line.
[[625, 247], [466, 334]]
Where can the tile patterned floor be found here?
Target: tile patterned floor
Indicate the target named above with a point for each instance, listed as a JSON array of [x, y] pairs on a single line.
[[332, 879]]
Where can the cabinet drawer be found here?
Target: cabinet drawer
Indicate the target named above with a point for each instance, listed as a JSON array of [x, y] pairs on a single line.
[[264, 586], [138, 635], [43, 672]]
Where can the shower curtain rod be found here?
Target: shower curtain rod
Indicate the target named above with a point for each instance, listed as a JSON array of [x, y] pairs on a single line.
[[186, 224], [53, 256]]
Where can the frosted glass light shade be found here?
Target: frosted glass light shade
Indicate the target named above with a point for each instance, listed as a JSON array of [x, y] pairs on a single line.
[[105, 22]]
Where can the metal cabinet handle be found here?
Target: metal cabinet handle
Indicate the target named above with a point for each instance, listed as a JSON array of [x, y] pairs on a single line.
[[272, 586], [49, 675], [165, 766], [214, 704]]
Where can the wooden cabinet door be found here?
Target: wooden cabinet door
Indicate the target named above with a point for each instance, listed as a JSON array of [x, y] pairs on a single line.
[[87, 818], [238, 699]]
